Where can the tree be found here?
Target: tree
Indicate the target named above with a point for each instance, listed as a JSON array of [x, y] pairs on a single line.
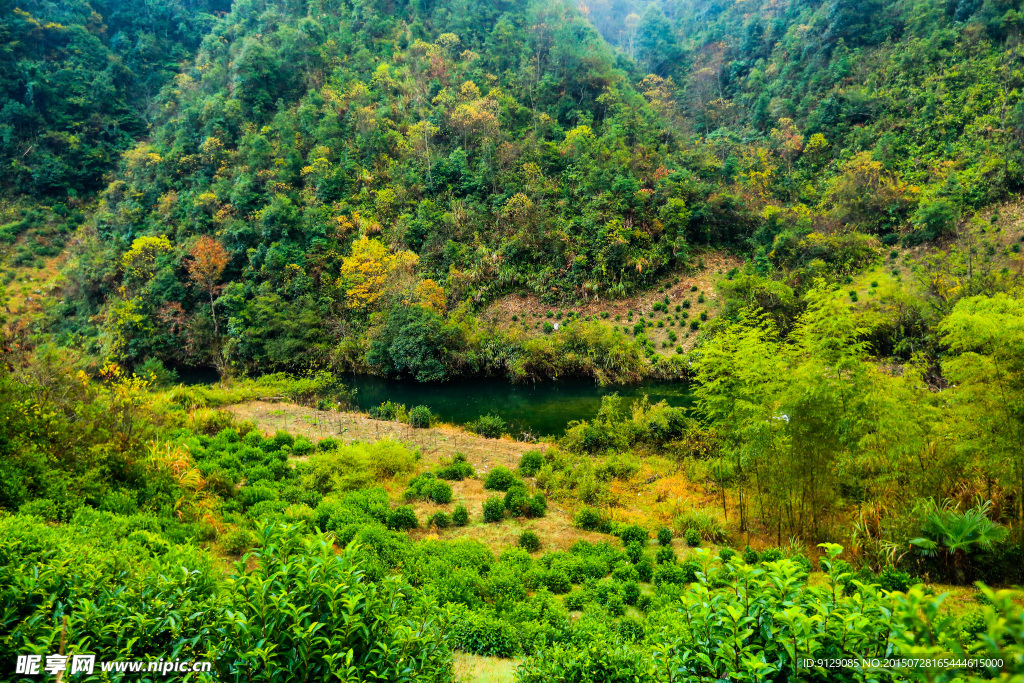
[[368, 274], [986, 338], [414, 341], [209, 259], [655, 41]]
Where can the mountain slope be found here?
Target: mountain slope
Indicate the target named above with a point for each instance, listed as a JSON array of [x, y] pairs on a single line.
[[345, 160]]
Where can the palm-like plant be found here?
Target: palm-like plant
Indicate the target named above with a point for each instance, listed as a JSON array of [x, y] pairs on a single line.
[[954, 534]]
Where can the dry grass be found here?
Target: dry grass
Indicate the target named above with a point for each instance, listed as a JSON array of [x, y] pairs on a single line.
[[434, 443], [652, 497], [476, 669], [555, 529]]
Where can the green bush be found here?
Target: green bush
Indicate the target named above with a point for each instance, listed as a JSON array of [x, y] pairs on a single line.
[[665, 555], [530, 463], [302, 446], [633, 534], [892, 579], [387, 411], [557, 582], [428, 487], [494, 510], [630, 592], [529, 542], [456, 469], [645, 570], [538, 506], [420, 417], [41, 507], [751, 556], [576, 601], [441, 520], [665, 536], [635, 552], [501, 479], [490, 426], [517, 501], [726, 554], [692, 537], [460, 516], [587, 519], [615, 605], [237, 541], [402, 518]]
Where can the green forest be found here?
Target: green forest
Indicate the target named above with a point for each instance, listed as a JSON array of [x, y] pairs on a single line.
[[215, 216]]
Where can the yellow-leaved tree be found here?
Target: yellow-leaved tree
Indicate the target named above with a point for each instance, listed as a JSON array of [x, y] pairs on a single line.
[[371, 272]]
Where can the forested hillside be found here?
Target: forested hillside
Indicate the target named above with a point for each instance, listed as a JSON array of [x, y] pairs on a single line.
[[343, 168], [76, 82], [915, 104]]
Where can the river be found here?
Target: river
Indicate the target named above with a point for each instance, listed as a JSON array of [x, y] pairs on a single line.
[[544, 408]]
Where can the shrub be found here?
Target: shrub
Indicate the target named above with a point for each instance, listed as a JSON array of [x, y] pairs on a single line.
[[237, 542], [517, 501], [635, 552], [692, 538], [726, 554], [386, 411], [665, 556], [633, 534], [420, 417], [427, 487], [529, 542], [751, 556], [456, 470], [557, 582], [494, 510], [538, 506], [625, 572], [548, 327], [771, 555], [530, 463], [328, 444], [615, 605], [402, 519], [575, 601], [501, 479], [894, 580], [645, 570], [303, 446], [587, 519], [489, 426], [460, 516], [705, 523], [630, 592], [282, 439], [677, 574], [665, 536], [441, 520]]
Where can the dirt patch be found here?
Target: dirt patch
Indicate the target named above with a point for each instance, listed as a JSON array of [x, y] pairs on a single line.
[[652, 497], [528, 313], [434, 443]]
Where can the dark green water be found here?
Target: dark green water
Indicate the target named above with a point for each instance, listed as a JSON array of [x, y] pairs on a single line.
[[544, 408]]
